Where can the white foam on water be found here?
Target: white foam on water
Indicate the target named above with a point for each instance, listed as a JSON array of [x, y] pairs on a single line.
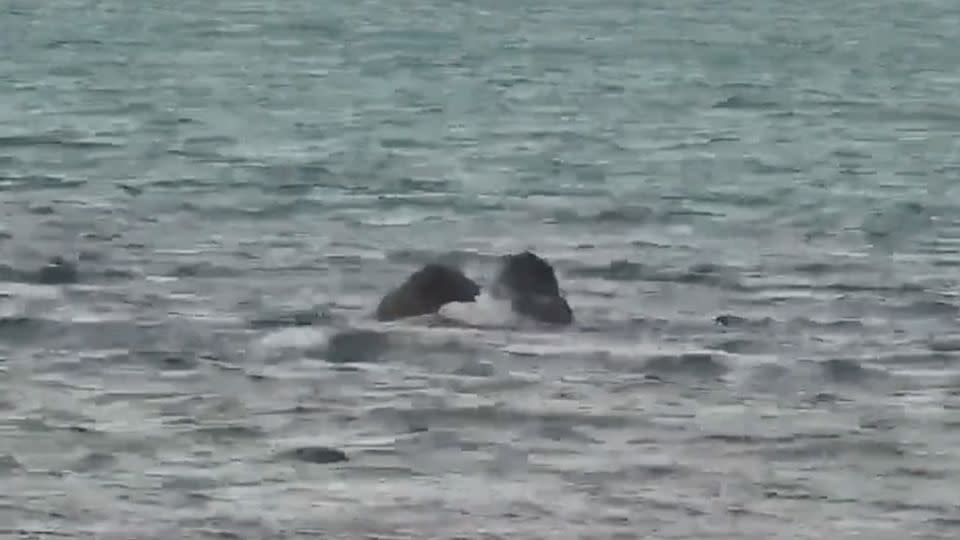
[[485, 311], [296, 338]]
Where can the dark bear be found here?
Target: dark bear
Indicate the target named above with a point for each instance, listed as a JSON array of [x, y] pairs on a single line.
[[425, 291], [530, 284]]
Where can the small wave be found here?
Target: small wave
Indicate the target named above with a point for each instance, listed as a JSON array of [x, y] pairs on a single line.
[[840, 325], [928, 308], [742, 346], [94, 461], [52, 139], [766, 373], [307, 317], [699, 364], [502, 416], [168, 360], [951, 522], [736, 321], [946, 344], [37, 182], [833, 447], [355, 346], [819, 268], [747, 439], [205, 269], [743, 102], [317, 454], [564, 433], [619, 270], [708, 274], [922, 472], [22, 329], [282, 177], [60, 43], [9, 463], [475, 368], [618, 215], [848, 371], [902, 506], [57, 271], [228, 432], [791, 492], [761, 167]]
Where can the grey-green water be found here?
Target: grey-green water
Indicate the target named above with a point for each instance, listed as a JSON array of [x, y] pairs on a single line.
[[752, 206]]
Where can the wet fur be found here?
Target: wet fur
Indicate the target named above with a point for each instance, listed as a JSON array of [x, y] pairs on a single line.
[[525, 279], [425, 291]]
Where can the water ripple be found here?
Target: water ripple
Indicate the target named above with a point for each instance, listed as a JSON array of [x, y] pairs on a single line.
[[751, 210]]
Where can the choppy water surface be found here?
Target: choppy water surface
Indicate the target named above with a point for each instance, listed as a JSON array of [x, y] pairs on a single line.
[[753, 207]]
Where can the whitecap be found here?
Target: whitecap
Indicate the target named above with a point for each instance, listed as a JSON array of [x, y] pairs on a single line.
[[297, 338]]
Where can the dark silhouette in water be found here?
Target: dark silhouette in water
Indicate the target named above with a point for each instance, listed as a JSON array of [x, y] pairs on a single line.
[[525, 279], [425, 291], [57, 271], [530, 284]]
